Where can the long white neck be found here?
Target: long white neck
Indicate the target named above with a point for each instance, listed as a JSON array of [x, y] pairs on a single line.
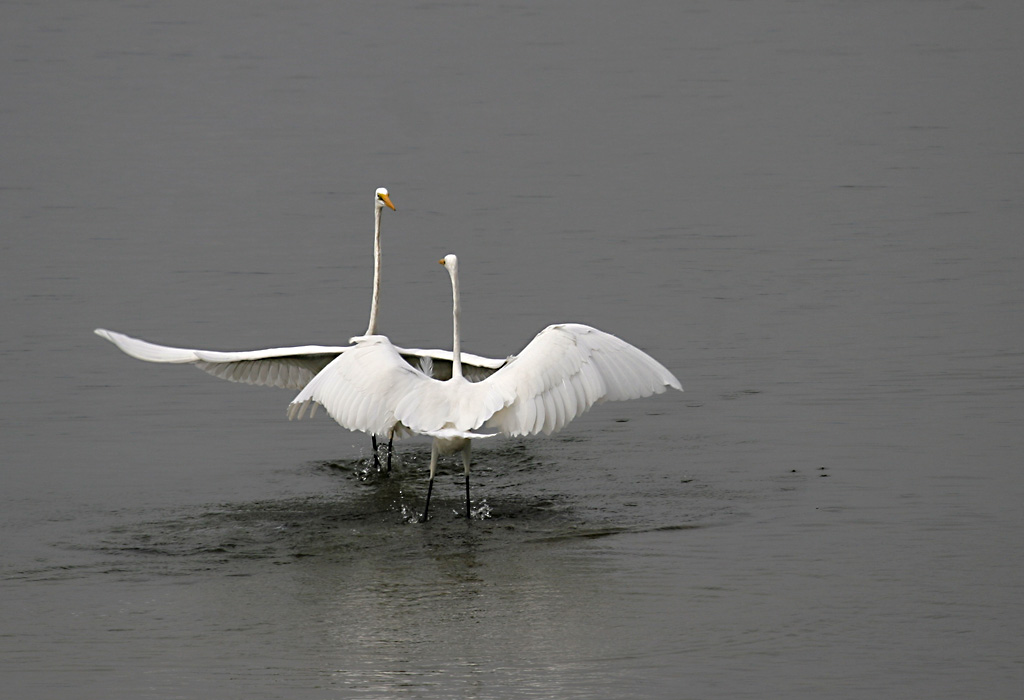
[[456, 311], [372, 328]]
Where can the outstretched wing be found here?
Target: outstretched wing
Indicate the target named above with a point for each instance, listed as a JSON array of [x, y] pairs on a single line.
[[361, 387], [566, 369], [289, 368], [285, 368]]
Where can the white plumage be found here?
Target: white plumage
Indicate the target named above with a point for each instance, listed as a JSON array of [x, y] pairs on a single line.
[[294, 367], [283, 368], [559, 375], [377, 388]]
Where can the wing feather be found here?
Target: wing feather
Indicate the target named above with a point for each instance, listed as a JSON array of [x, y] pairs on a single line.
[[542, 413], [558, 413], [285, 368], [566, 369], [569, 397], [289, 367], [361, 387], [434, 405]]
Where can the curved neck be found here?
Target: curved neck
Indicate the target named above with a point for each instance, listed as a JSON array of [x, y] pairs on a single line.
[[456, 345], [375, 300]]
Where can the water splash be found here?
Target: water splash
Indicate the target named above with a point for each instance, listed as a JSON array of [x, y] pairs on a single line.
[[373, 470], [409, 515], [481, 512]]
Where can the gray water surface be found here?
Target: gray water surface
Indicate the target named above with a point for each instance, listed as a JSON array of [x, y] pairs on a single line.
[[811, 212]]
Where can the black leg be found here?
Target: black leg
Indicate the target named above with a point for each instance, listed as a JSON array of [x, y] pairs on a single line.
[[376, 459], [468, 511], [426, 506], [391, 441], [430, 484]]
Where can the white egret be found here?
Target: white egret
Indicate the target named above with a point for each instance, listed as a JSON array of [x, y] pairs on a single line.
[[293, 367], [560, 374]]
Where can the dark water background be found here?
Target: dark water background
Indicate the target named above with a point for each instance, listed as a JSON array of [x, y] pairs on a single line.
[[810, 211]]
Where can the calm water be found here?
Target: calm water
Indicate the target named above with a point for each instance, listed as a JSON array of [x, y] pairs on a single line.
[[810, 211]]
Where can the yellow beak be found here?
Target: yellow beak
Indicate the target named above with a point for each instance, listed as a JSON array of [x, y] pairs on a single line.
[[387, 200]]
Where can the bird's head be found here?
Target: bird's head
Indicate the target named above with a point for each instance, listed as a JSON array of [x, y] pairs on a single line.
[[451, 262], [382, 198]]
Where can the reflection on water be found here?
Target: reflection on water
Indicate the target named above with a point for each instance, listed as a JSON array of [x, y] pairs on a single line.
[[383, 607]]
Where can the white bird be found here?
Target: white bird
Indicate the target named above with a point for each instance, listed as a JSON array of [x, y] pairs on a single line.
[[293, 367], [559, 375]]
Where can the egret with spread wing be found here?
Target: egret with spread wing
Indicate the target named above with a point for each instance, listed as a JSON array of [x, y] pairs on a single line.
[[559, 375], [293, 367]]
